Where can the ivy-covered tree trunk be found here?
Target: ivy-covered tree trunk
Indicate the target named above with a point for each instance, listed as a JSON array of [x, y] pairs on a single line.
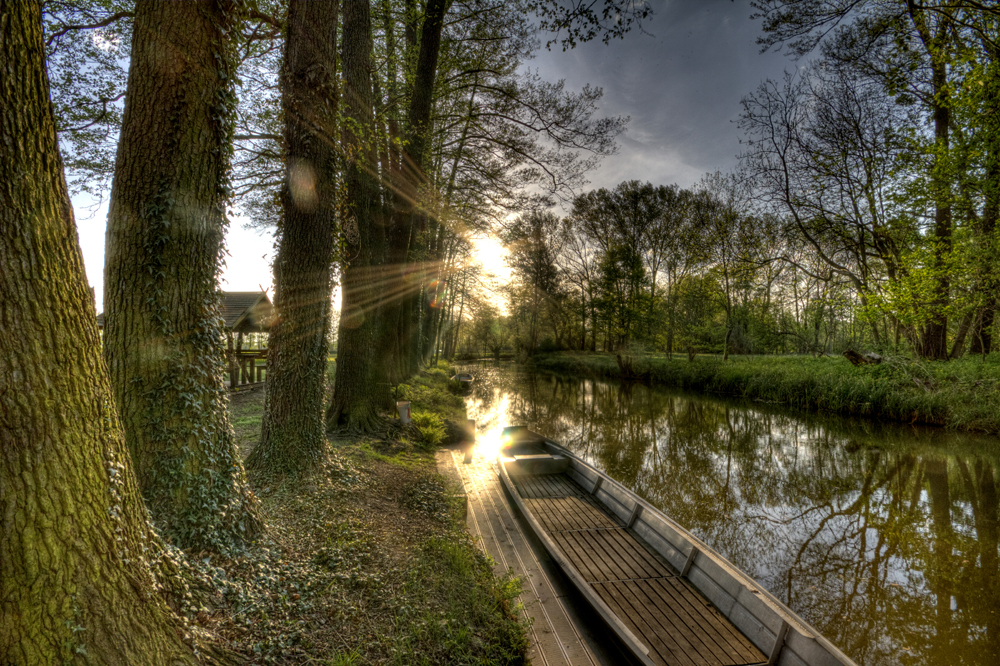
[[292, 430], [360, 387], [76, 585], [163, 337]]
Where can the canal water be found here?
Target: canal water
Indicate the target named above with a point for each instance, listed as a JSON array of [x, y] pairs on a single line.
[[882, 536]]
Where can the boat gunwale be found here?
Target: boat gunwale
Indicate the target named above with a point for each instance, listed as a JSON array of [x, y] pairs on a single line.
[[634, 645], [787, 616]]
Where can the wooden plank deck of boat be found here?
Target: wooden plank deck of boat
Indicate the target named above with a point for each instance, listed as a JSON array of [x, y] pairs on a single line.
[[677, 624], [560, 633]]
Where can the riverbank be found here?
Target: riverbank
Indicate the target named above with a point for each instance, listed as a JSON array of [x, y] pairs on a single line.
[[367, 560], [962, 394]]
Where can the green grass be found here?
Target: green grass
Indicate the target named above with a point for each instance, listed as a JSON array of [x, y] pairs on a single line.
[[962, 394], [376, 565], [449, 607], [432, 391], [245, 414], [403, 454], [456, 611]]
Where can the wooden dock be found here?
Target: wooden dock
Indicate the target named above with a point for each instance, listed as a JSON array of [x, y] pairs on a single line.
[[563, 631]]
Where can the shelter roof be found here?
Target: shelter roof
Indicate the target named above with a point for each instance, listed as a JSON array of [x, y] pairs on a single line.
[[246, 310], [243, 311]]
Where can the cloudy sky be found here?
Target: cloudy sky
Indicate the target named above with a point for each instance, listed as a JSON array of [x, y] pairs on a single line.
[[680, 83]]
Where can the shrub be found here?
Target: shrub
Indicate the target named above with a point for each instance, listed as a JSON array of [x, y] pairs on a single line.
[[430, 429]]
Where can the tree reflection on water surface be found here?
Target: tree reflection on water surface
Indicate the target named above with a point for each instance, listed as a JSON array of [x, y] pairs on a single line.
[[884, 537]]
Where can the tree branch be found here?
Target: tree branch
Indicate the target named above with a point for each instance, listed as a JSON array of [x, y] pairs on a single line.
[[87, 26]]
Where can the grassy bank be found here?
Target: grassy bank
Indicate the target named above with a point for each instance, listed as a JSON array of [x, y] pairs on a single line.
[[962, 394], [367, 560]]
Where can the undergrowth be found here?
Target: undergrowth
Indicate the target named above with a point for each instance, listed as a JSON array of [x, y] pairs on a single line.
[[367, 560], [433, 391], [430, 429]]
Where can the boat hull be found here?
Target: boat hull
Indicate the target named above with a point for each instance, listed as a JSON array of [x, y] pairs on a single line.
[[636, 604]]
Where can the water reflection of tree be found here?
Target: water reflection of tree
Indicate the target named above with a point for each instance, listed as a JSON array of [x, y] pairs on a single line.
[[884, 541]]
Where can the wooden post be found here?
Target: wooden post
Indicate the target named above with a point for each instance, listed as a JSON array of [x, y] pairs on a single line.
[[240, 370], [231, 358], [470, 440]]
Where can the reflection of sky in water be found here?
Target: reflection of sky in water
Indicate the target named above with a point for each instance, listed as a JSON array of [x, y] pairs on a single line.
[[860, 527]]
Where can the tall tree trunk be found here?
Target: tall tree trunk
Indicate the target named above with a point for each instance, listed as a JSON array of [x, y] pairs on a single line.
[[400, 344], [958, 346], [447, 312], [76, 584], [292, 429], [392, 79], [360, 389], [593, 322], [935, 337], [450, 354], [982, 336], [166, 223]]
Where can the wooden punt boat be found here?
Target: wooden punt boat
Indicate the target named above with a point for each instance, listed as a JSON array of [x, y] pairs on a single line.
[[669, 597], [464, 380]]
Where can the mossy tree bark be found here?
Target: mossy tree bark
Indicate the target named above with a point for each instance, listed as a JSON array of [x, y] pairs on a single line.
[[76, 585], [360, 386], [163, 340], [292, 429]]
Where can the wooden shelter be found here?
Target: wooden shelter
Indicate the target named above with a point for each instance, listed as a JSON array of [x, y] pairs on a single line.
[[245, 314]]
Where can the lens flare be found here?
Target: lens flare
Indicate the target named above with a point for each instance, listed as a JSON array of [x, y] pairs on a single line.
[[302, 186]]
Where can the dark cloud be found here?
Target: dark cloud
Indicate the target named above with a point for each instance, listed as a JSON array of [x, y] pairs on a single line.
[[680, 83]]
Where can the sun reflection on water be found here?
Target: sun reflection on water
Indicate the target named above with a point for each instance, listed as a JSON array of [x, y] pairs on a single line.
[[491, 418]]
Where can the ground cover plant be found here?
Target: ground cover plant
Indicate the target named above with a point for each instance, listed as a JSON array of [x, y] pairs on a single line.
[[367, 559], [962, 394]]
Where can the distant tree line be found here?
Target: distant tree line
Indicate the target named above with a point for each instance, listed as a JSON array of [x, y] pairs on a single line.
[[863, 212]]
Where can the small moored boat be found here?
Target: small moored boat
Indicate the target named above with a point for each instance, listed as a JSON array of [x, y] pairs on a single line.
[[464, 379], [668, 597]]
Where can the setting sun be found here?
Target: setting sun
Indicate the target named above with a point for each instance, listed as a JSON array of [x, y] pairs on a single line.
[[492, 255]]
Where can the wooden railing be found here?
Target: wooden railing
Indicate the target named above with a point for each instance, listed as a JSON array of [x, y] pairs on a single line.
[[244, 369]]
